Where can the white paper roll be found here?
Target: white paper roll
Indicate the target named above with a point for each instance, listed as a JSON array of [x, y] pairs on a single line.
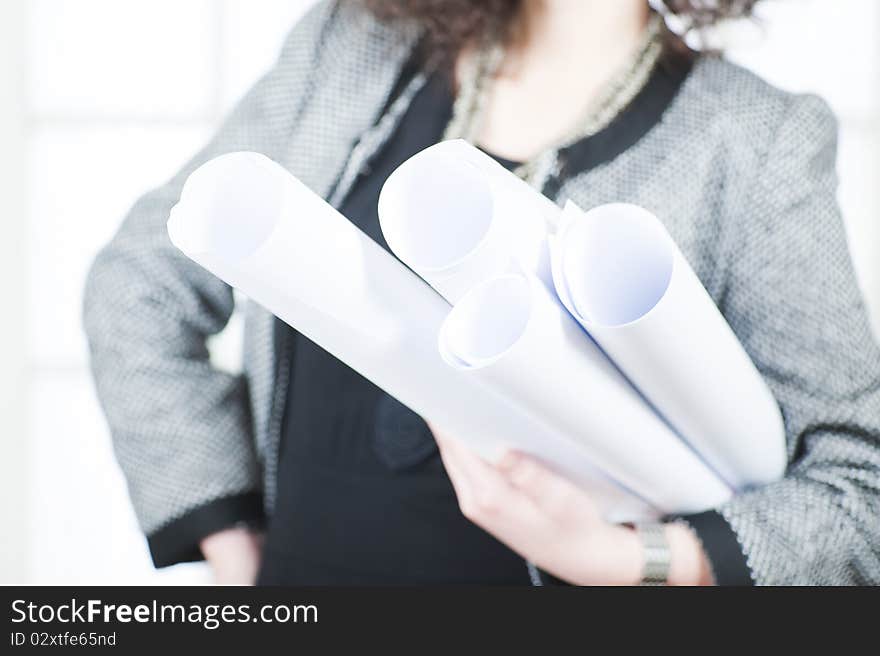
[[512, 334], [252, 224], [621, 275], [457, 217]]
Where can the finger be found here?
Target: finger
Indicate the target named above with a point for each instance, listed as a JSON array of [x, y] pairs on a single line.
[[457, 476], [495, 505], [438, 435], [546, 488], [449, 457], [493, 498]]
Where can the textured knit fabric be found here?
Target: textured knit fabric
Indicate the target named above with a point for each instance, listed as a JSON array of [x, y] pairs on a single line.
[[743, 176]]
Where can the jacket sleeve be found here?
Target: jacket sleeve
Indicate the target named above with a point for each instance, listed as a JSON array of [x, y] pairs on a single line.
[[181, 429], [793, 300]]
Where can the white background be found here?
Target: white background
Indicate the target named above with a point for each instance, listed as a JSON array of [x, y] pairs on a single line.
[[101, 100]]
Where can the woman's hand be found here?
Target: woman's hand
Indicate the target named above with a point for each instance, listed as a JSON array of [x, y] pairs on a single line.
[[554, 524], [234, 555]]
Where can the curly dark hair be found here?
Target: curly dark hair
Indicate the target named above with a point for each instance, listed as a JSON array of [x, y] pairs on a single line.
[[450, 25]]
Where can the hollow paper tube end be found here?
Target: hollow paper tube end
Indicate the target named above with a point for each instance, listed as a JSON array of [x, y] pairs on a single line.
[[487, 322], [228, 206], [435, 209], [617, 262]]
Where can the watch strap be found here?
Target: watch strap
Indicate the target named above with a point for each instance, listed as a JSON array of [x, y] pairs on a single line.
[[656, 551]]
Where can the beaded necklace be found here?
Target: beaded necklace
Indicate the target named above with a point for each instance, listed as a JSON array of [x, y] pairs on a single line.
[[475, 82]]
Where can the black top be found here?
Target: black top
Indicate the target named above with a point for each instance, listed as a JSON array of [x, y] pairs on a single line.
[[362, 495]]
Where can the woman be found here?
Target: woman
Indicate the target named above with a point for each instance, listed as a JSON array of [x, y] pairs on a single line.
[[585, 99]]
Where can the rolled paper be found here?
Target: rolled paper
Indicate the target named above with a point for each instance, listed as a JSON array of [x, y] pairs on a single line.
[[512, 334], [621, 275], [457, 217], [252, 224]]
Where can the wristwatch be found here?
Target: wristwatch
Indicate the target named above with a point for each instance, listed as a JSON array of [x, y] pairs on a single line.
[[657, 553]]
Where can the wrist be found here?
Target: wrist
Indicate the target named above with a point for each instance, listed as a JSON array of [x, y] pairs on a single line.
[[632, 545], [230, 543], [630, 556], [689, 564], [234, 555]]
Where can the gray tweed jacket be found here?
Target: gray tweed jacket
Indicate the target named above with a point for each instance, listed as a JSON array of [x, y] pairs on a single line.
[[742, 173]]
